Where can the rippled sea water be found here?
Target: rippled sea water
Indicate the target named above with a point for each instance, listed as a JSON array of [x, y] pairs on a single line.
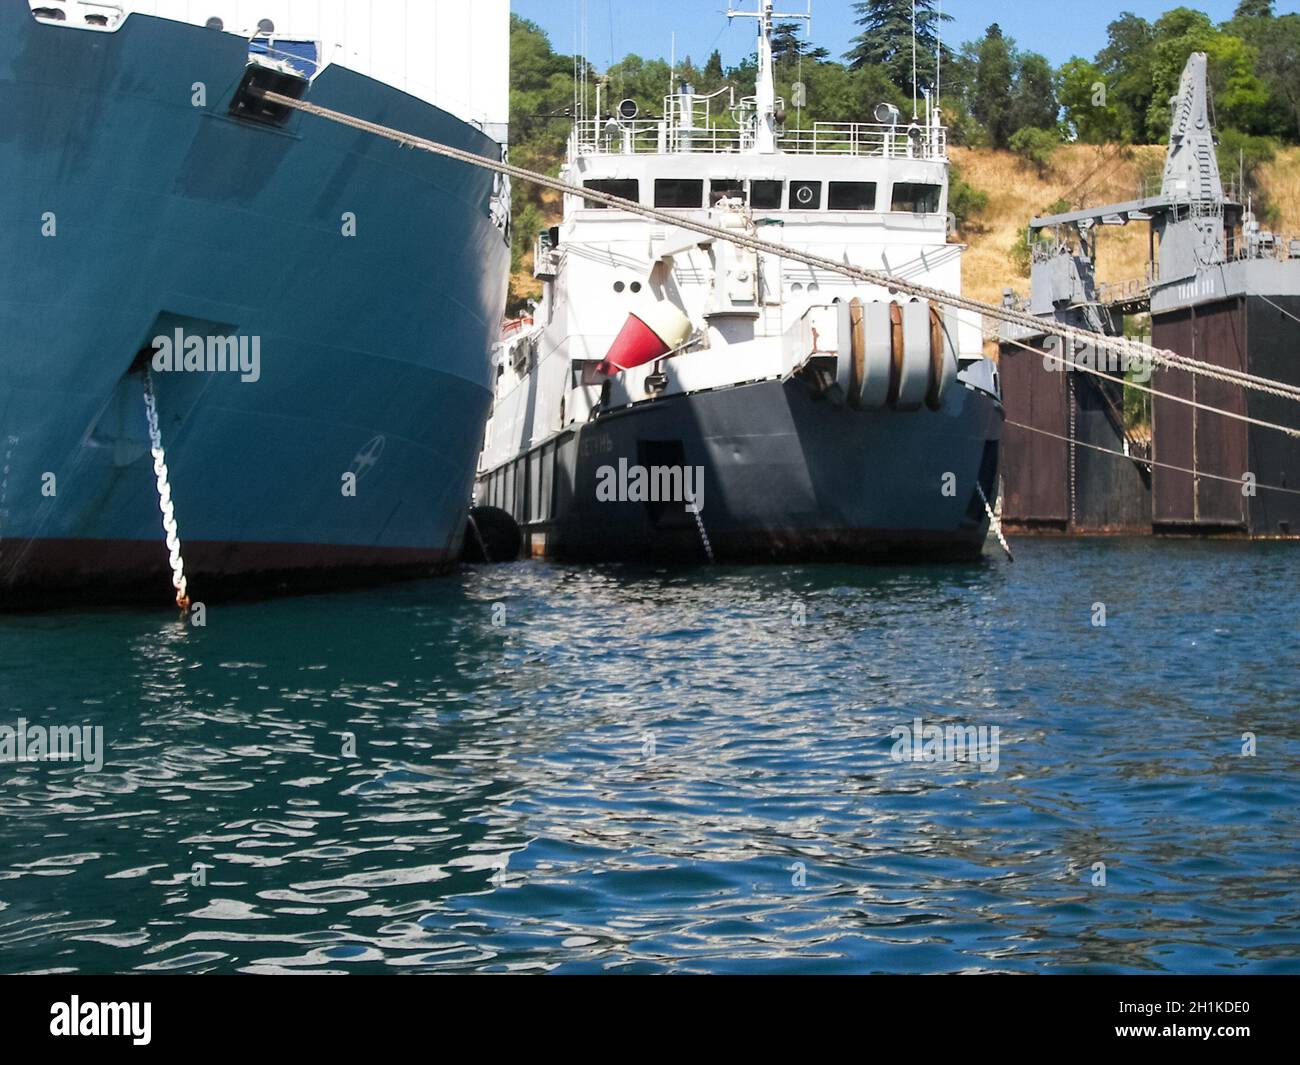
[[613, 769]]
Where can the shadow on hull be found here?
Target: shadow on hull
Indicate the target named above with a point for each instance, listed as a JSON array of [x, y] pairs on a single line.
[[70, 573]]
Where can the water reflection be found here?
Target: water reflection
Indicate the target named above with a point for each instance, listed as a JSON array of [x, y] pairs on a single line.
[[540, 768]]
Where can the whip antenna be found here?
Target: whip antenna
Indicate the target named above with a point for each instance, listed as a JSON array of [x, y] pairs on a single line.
[[913, 60]]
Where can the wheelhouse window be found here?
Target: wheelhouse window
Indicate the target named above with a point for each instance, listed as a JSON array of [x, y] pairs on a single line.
[[674, 192], [766, 195], [624, 189], [918, 199], [805, 195], [726, 189], [852, 196]]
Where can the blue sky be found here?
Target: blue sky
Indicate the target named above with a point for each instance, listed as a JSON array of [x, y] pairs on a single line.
[[1058, 30]]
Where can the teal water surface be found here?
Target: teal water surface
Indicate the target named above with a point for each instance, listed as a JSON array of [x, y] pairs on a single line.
[[548, 768]]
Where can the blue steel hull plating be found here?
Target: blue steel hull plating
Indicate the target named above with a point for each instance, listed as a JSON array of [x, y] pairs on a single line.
[[125, 212]]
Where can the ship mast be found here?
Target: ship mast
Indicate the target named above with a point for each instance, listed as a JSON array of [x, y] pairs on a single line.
[[765, 91]]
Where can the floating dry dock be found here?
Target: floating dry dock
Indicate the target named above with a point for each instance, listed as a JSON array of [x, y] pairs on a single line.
[[1220, 289]]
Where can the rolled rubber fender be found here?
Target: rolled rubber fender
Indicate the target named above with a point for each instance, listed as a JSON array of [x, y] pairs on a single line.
[[914, 381], [943, 355], [877, 357]]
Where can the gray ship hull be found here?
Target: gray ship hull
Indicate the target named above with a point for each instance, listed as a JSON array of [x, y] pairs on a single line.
[[787, 476]]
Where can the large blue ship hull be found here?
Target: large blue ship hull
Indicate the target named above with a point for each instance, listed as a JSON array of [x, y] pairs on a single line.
[[127, 212]]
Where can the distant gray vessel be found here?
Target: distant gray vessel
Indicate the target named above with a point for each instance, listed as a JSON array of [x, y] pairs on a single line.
[[678, 397]]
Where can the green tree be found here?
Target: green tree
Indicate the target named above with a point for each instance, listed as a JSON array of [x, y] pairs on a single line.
[[1240, 98], [789, 42], [1091, 113], [1277, 42], [832, 92], [541, 101], [964, 129], [1033, 99], [1279, 66], [1125, 65], [1241, 156], [886, 41], [965, 202], [1254, 9], [992, 82], [1036, 146], [714, 75], [646, 81]]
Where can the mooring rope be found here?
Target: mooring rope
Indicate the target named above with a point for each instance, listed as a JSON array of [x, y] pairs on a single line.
[[1150, 462], [165, 504], [1295, 433], [1159, 356], [1280, 310]]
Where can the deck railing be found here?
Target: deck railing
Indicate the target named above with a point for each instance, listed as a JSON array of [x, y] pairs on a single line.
[[1130, 290], [1268, 245], [642, 137]]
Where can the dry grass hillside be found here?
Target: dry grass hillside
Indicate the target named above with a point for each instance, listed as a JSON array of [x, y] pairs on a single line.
[[1280, 182], [1080, 174], [1084, 175]]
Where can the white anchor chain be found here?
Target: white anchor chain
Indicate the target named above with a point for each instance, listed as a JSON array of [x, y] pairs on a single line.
[[704, 535], [994, 523], [4, 490], [165, 495]]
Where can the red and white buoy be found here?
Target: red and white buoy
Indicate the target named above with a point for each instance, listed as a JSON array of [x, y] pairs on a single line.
[[649, 333]]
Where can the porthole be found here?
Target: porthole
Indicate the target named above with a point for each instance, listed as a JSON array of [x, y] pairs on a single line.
[[618, 286], [636, 286]]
